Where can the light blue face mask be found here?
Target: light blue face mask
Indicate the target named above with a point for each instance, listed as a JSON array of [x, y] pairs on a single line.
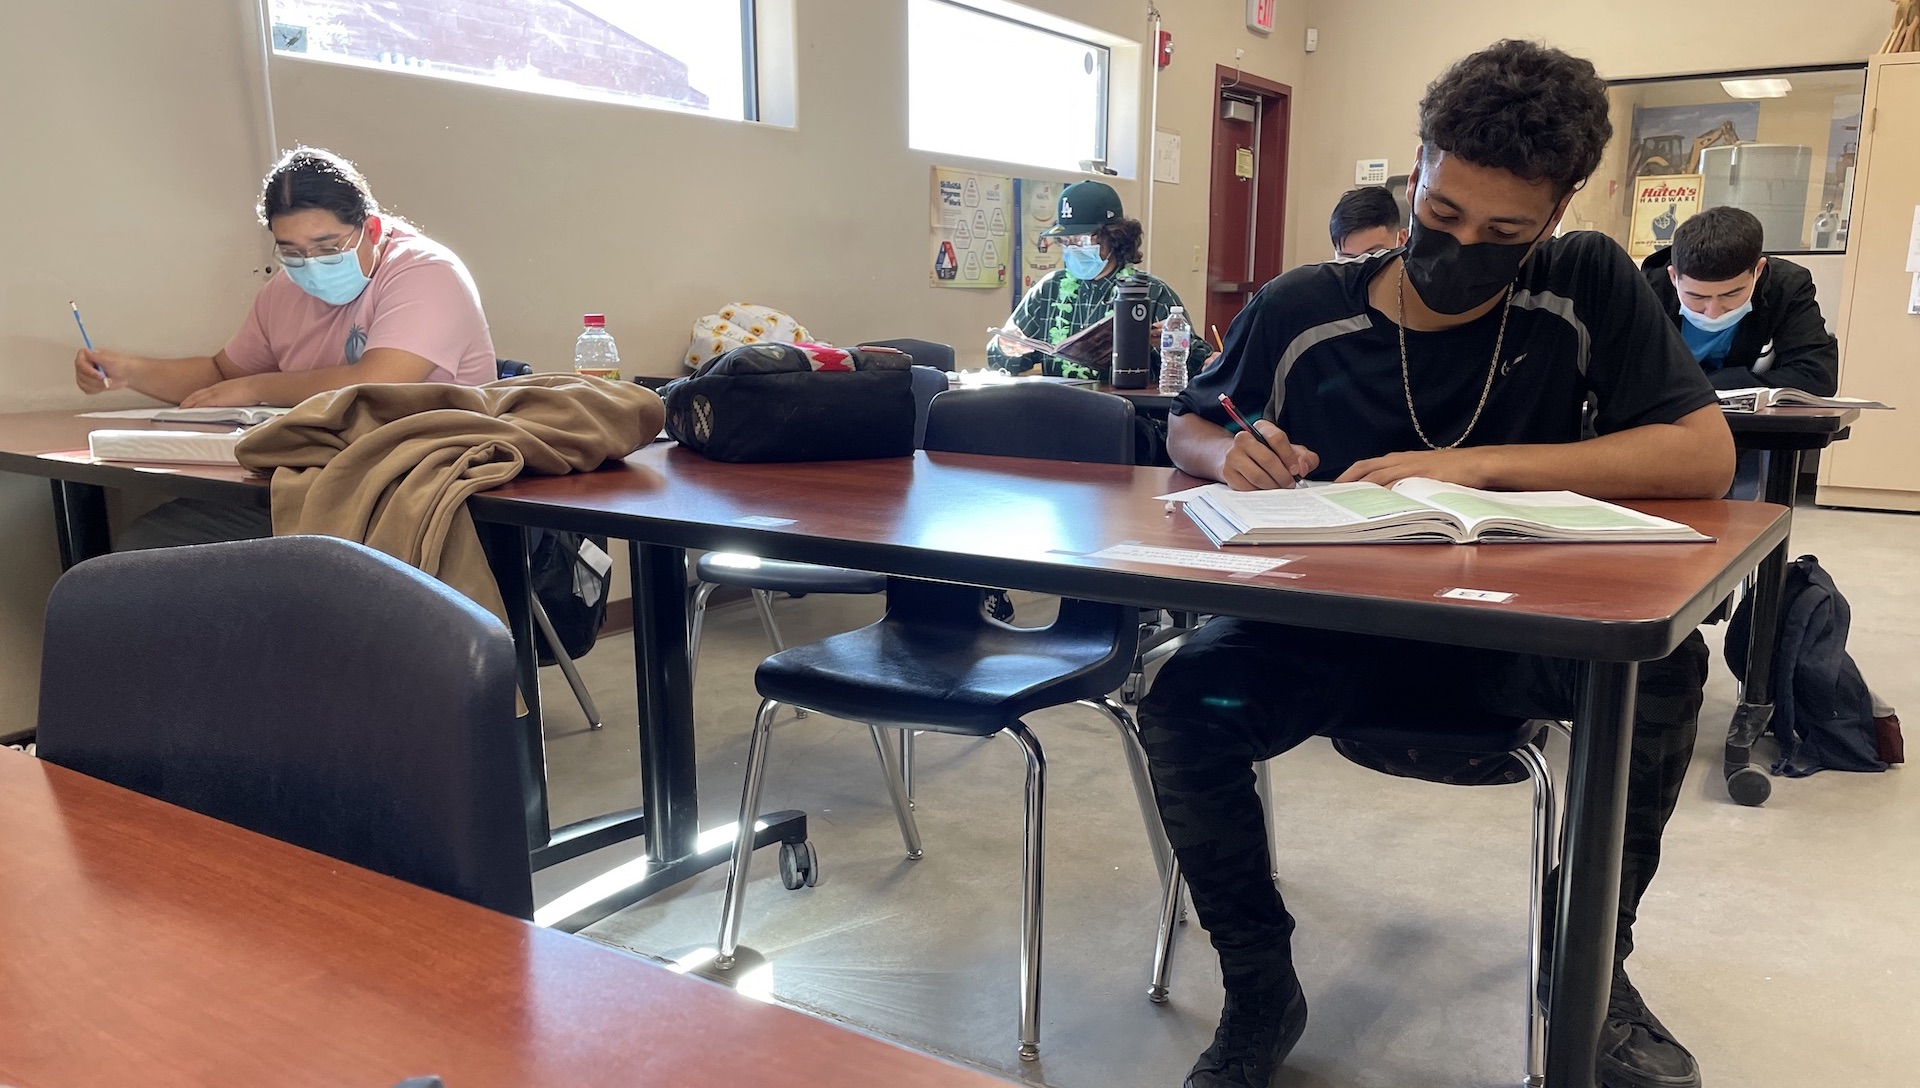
[[1083, 262], [336, 283], [1717, 324]]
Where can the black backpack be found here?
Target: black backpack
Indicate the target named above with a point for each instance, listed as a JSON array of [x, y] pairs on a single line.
[[571, 577], [1822, 710]]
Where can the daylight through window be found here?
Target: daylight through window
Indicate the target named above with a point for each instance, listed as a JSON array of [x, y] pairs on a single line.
[[693, 55], [989, 87]]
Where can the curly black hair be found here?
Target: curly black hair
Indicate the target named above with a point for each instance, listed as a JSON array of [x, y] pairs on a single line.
[[1122, 239], [1522, 107]]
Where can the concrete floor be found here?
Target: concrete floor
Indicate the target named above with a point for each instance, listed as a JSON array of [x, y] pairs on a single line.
[[1779, 943]]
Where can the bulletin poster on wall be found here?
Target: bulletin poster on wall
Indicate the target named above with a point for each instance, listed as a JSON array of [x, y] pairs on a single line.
[[1661, 202], [973, 229], [1039, 204]]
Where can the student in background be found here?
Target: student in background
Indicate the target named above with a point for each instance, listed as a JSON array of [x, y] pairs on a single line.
[[1365, 220], [1470, 356], [363, 297], [1750, 320], [1100, 246]]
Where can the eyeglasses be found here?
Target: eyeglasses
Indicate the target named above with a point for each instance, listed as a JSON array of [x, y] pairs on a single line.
[[294, 258]]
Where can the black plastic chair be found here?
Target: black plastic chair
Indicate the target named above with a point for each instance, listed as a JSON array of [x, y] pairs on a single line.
[[765, 577], [1492, 739], [306, 688], [924, 352], [936, 663]]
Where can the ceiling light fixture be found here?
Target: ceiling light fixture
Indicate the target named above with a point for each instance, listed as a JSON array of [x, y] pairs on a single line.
[[1756, 88]]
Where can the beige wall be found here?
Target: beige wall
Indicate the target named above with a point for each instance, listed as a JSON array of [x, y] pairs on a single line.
[[1377, 56], [131, 146], [561, 206]]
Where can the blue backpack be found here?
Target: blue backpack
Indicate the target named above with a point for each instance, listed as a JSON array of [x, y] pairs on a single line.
[[1822, 710]]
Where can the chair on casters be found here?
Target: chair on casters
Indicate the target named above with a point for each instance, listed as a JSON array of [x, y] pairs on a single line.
[[303, 687], [509, 368], [1494, 739], [765, 577], [936, 663]]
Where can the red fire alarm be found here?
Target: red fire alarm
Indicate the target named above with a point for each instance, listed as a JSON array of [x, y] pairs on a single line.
[[1163, 49]]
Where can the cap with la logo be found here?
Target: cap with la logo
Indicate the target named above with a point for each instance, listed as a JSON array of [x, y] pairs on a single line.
[[1085, 206]]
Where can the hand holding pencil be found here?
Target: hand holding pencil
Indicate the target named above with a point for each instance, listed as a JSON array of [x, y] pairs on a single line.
[[1260, 457]]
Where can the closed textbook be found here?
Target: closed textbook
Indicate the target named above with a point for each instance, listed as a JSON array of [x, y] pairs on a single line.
[[168, 447]]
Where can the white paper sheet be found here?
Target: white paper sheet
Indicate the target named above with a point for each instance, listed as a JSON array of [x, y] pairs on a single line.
[[1183, 557]]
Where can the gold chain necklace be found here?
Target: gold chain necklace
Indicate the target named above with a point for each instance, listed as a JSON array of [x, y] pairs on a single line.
[[1406, 379]]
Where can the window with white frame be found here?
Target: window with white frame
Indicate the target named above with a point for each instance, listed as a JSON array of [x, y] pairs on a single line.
[[691, 55], [988, 86]]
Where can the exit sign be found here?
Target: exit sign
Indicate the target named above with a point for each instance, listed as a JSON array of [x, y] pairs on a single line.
[[1260, 15]]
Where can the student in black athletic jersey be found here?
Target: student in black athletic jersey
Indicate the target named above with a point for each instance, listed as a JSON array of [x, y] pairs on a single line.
[[1488, 352]]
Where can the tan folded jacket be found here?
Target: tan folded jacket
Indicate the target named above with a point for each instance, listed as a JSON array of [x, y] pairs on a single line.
[[391, 466]]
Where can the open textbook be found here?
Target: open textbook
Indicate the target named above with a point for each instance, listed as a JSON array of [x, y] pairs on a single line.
[[1418, 511], [238, 416], [1754, 398], [1090, 347]]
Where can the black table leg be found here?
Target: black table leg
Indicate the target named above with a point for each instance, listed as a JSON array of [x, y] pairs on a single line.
[[669, 784], [506, 547], [80, 519], [669, 774], [1590, 873], [1747, 784]]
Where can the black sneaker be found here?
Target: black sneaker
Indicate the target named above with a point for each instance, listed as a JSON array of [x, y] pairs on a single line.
[[1636, 1049], [1254, 1037]]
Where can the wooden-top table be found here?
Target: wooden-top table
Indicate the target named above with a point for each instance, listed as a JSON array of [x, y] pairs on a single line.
[[149, 945], [1036, 525]]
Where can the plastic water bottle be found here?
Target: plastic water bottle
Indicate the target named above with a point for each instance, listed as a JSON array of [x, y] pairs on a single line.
[[1176, 338], [594, 354]]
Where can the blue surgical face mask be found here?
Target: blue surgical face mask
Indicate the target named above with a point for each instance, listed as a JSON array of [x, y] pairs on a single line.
[[1083, 262], [1717, 324], [336, 283]]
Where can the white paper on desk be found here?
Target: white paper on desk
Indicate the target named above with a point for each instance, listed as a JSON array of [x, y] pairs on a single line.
[[1189, 494], [1182, 557], [126, 413], [1913, 243]]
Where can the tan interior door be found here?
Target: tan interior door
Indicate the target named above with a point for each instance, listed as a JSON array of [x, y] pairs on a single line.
[[1880, 341]]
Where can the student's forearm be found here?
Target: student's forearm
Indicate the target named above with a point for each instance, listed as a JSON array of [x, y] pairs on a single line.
[[1652, 462], [172, 380], [1197, 446], [1691, 458]]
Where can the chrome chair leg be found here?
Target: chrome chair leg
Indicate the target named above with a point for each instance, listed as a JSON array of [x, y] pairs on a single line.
[[763, 601], [695, 623], [897, 789], [1263, 783], [735, 892], [1033, 892], [1122, 719], [1544, 812], [906, 763], [567, 668], [1163, 949]]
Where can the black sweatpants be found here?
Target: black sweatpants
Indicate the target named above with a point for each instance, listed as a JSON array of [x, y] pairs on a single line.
[[1239, 692]]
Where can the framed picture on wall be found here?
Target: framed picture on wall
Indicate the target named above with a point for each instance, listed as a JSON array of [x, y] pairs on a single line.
[[1661, 202]]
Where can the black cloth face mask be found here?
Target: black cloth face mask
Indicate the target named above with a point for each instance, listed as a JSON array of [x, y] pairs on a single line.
[[1452, 278]]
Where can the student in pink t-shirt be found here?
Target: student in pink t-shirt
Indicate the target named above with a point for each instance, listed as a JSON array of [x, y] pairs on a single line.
[[364, 298]]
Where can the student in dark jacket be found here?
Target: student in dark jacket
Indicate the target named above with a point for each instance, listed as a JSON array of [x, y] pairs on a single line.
[[1750, 320]]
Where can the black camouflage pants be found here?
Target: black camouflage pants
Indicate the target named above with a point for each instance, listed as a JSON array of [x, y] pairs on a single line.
[[1240, 692]]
